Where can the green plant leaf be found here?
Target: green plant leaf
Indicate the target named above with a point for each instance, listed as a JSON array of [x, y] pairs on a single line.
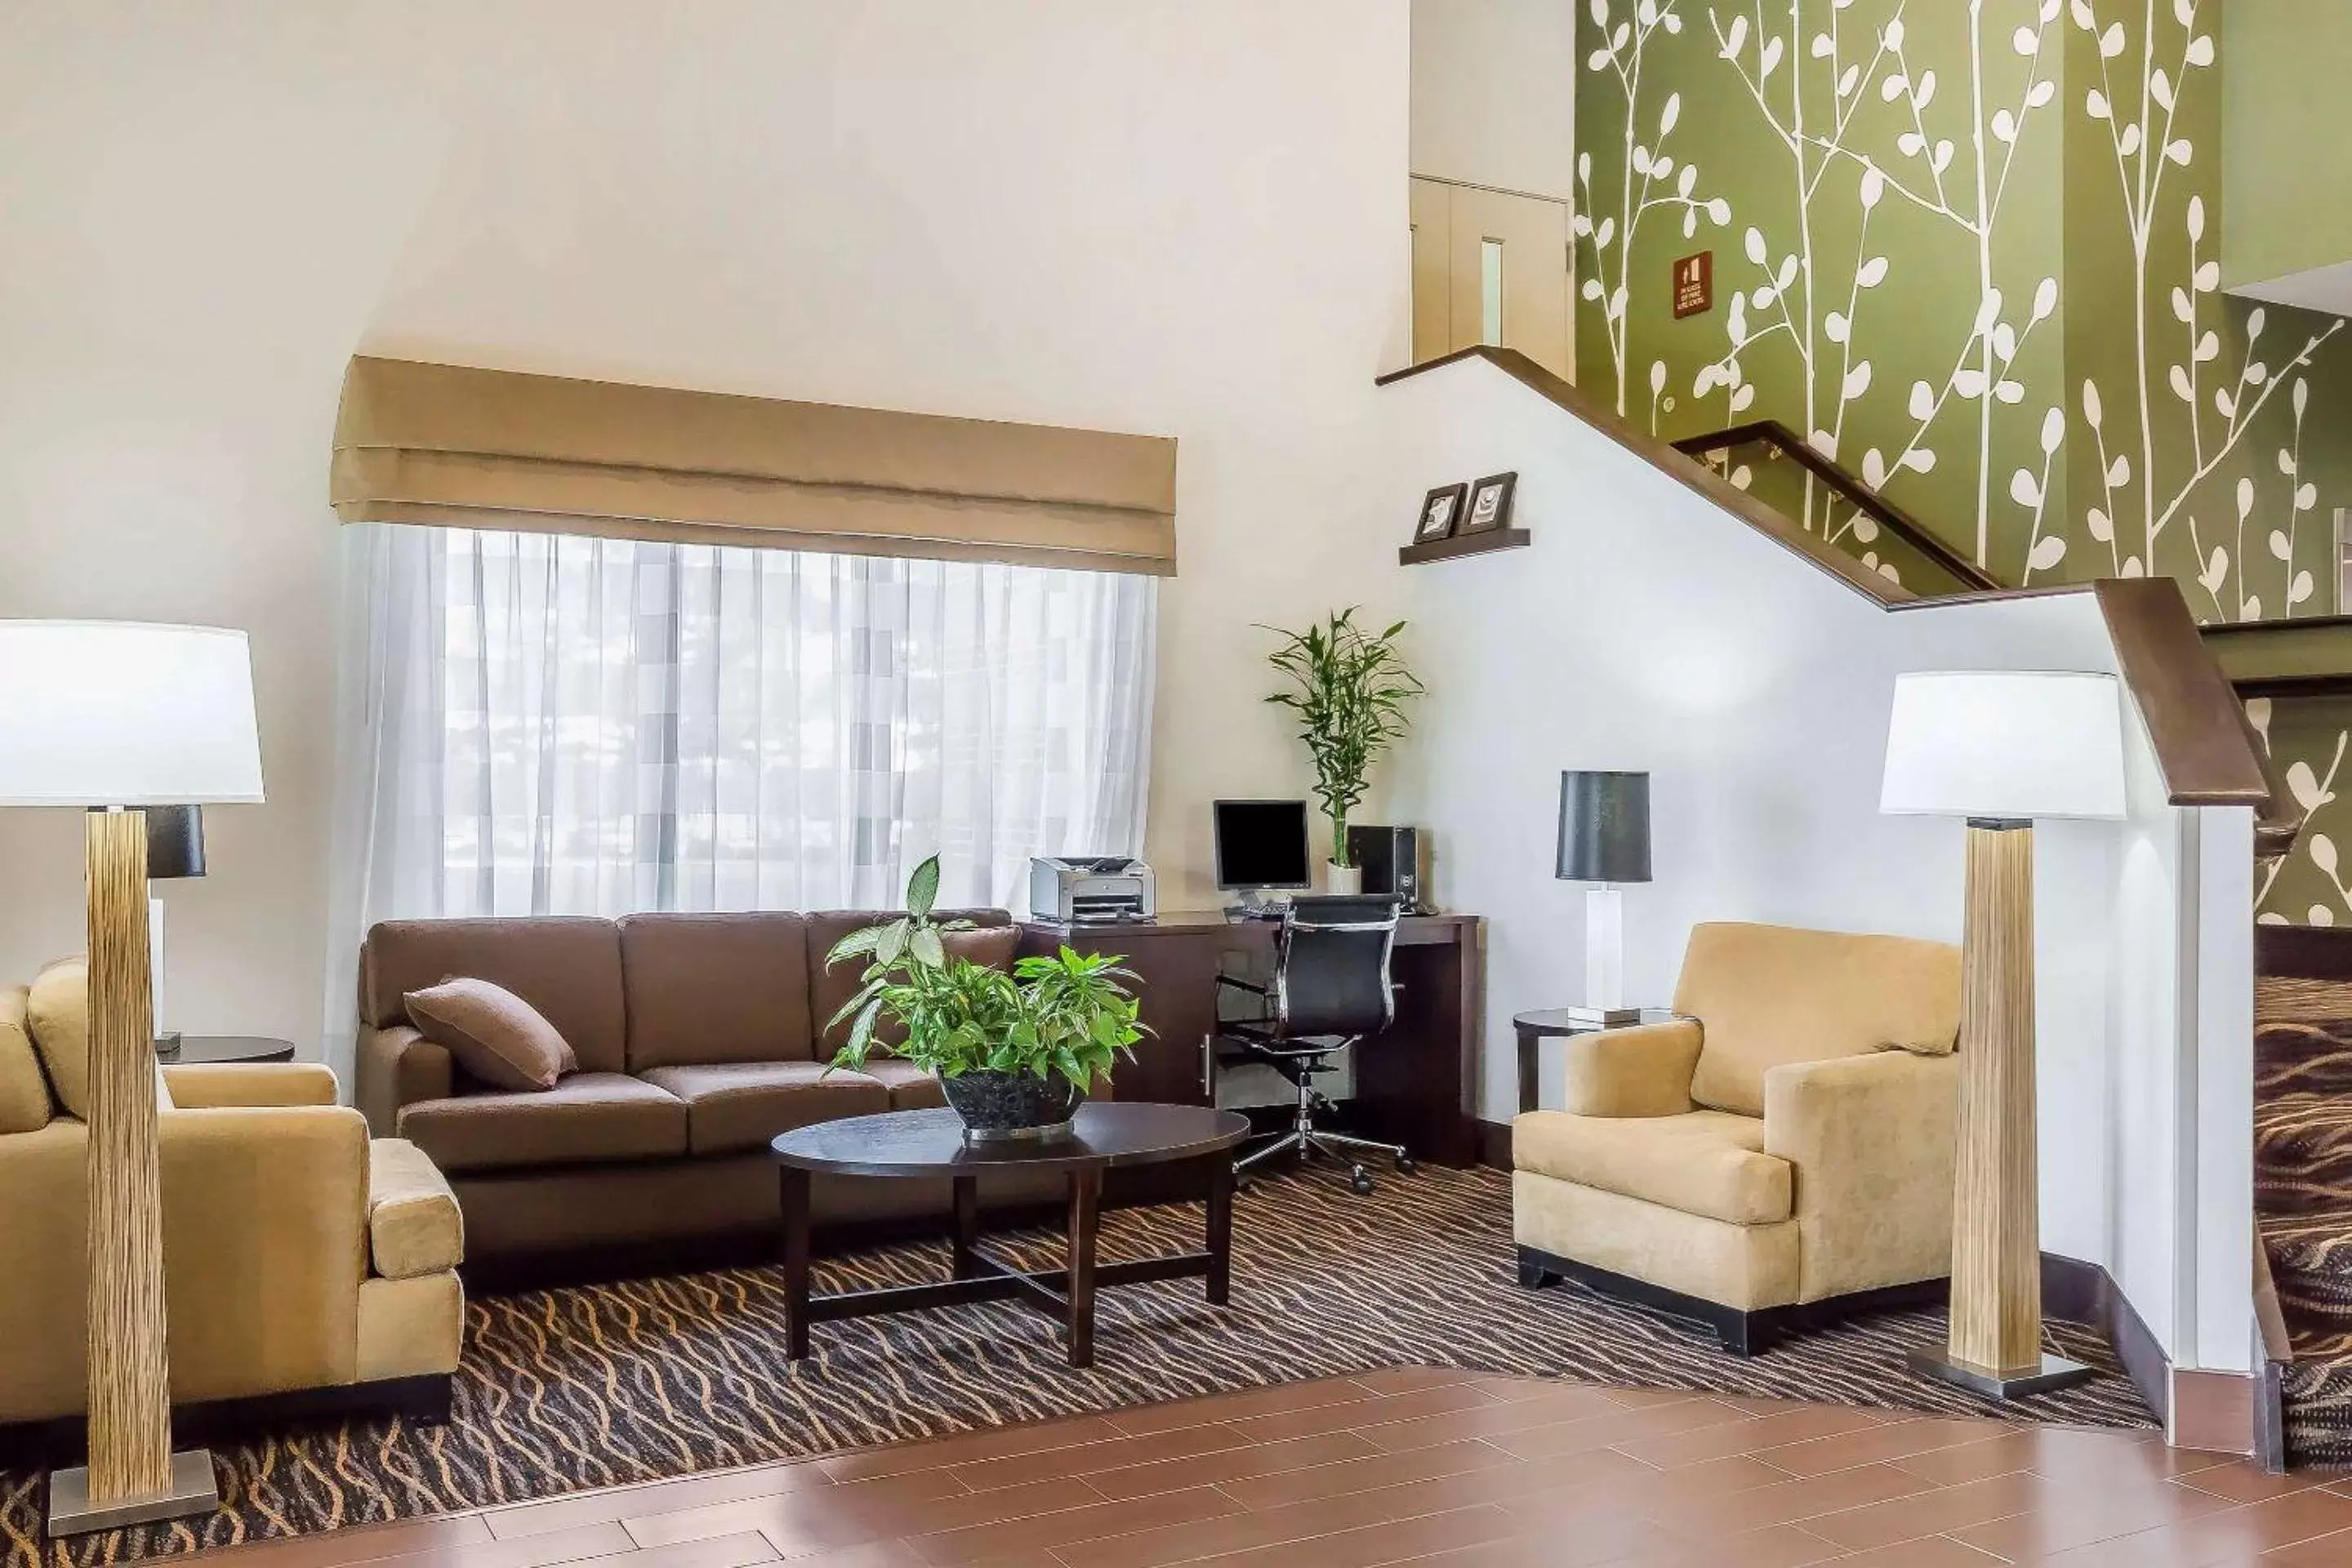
[[923, 946], [890, 943], [852, 945], [923, 888]]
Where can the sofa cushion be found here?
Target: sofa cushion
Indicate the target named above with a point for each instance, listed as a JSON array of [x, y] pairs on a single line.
[[736, 1106], [23, 1091], [911, 1088], [715, 988], [1703, 1162], [492, 1034], [588, 1117], [414, 1225], [569, 968], [1766, 995], [58, 1009], [830, 987]]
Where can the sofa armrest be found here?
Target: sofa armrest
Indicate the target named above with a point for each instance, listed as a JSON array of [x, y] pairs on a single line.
[[265, 1213], [1872, 1139], [415, 1227], [398, 1067], [1643, 1070], [253, 1085]]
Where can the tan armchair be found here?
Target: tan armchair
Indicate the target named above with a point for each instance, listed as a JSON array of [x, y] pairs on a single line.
[[1782, 1150], [299, 1257]]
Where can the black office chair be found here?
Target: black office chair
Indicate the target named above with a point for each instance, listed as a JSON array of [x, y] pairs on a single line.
[[1329, 990]]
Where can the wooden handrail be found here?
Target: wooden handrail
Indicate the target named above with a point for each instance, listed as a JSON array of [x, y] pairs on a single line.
[[1885, 513], [2204, 744]]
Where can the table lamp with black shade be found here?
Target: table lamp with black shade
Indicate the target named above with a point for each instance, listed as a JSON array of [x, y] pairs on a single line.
[[175, 849], [1604, 840]]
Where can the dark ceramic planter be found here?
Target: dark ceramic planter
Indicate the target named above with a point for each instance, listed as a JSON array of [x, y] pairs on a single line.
[[997, 1106]]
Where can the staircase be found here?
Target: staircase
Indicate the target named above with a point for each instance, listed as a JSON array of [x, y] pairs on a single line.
[[2302, 1180]]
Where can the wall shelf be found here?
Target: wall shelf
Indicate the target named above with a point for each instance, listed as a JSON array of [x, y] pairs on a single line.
[[1465, 544]]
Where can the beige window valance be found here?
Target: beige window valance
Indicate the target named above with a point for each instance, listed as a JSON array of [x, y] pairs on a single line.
[[455, 446]]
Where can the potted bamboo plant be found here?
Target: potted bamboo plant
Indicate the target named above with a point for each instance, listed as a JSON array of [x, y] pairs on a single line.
[[1014, 1053], [1348, 687]]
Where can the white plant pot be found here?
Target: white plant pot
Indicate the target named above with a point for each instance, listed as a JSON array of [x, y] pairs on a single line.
[[1342, 882]]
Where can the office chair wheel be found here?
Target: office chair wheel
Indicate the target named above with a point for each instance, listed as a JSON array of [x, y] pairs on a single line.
[[1360, 1181], [1243, 1183], [1406, 1164]]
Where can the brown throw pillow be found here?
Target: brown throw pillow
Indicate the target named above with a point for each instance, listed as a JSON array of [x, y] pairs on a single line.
[[492, 1033]]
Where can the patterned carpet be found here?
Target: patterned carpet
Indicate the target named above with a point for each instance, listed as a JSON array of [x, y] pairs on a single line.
[[570, 1389], [2303, 1197]]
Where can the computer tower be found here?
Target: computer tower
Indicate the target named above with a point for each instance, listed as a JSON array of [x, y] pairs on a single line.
[[1389, 858]]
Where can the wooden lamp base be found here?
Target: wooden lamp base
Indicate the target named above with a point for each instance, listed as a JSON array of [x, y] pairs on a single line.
[[1995, 1349], [133, 1476]]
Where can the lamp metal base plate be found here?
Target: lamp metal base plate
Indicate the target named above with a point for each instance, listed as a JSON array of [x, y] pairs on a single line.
[[2050, 1374], [192, 1490]]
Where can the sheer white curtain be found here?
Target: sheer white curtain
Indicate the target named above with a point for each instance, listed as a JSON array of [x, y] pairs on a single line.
[[538, 724]]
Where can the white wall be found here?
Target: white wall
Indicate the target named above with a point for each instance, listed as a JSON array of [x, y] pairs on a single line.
[[1645, 629], [1494, 94], [1173, 220]]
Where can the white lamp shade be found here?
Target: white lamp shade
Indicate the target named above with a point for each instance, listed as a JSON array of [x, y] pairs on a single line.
[[125, 713], [2005, 744]]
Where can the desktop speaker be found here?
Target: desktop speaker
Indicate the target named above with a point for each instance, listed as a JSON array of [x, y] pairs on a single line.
[[1389, 858]]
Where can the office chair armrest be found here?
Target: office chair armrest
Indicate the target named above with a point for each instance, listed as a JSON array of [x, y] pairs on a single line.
[[1238, 983], [1642, 1070]]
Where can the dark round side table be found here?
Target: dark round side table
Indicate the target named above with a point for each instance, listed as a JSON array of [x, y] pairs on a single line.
[[191, 1049], [926, 1145]]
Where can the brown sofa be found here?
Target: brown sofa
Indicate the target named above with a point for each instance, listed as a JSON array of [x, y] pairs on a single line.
[[699, 1037]]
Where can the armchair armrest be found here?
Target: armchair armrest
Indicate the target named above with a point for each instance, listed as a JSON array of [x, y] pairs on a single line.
[[1642, 1070], [415, 1227], [216, 1085], [398, 1067], [1872, 1139], [265, 1214]]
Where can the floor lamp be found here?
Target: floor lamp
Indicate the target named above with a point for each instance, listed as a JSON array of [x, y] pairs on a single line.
[[2001, 747], [115, 716]]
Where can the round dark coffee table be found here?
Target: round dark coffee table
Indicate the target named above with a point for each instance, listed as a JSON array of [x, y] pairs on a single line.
[[929, 1145]]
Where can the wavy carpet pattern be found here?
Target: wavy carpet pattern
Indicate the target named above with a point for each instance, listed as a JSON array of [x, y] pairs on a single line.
[[570, 1389], [2303, 1200]]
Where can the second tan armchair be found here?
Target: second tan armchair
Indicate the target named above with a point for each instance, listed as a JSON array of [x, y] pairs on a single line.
[[1782, 1149]]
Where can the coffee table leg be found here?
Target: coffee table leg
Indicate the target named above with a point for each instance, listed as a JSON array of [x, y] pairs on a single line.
[[1221, 1229], [967, 1226], [1085, 1210], [795, 1196]]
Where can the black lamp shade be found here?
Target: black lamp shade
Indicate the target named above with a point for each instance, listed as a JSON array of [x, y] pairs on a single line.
[[1604, 828], [175, 841]]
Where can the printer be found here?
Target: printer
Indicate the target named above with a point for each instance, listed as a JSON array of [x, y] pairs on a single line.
[[1090, 889]]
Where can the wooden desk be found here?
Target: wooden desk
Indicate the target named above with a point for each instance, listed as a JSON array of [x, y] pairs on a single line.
[[1412, 1084]]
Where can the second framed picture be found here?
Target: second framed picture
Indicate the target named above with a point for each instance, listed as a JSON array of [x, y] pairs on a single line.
[[1441, 513], [1490, 503]]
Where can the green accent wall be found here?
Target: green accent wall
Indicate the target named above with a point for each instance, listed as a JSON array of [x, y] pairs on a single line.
[[2286, 153], [1974, 250]]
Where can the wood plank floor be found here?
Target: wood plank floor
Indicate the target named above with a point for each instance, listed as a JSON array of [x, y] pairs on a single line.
[[1429, 1467]]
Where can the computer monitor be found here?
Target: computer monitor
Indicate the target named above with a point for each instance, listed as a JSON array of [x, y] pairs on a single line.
[[1261, 844]]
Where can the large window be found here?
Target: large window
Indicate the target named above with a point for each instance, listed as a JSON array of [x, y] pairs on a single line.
[[595, 726]]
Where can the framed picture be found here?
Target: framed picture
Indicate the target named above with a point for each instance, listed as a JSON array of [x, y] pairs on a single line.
[[1490, 503], [1441, 511]]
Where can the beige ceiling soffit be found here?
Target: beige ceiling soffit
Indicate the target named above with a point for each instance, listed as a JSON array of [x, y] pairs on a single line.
[[455, 447]]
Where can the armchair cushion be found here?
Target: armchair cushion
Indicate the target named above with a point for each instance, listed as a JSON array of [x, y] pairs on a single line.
[[1766, 995], [57, 1010], [1704, 1163], [1644, 1071], [414, 1227], [23, 1091]]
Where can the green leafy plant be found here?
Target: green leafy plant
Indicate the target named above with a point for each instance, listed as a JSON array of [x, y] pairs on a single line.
[[1351, 687], [1070, 1015]]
